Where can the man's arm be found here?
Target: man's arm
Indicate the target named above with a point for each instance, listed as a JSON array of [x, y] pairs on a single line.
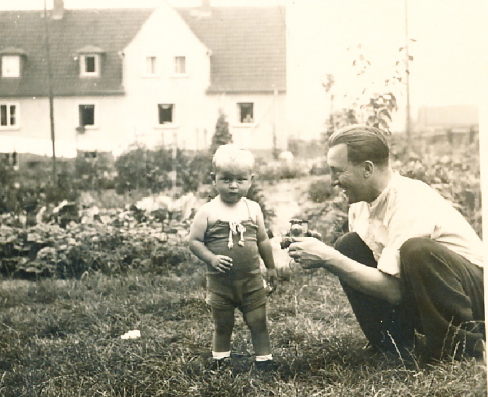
[[312, 253]]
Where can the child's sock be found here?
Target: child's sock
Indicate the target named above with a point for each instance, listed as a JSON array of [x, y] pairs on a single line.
[[220, 355], [266, 357]]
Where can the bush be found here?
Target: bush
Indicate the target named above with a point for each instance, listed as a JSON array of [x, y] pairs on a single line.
[[151, 170], [320, 191]]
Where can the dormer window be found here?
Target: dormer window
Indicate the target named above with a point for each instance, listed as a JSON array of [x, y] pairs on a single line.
[[90, 65], [10, 66], [11, 59], [90, 61]]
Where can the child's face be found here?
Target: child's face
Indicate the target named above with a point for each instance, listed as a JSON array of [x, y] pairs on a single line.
[[232, 183]]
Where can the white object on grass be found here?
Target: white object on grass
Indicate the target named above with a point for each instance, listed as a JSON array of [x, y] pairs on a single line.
[[134, 334]]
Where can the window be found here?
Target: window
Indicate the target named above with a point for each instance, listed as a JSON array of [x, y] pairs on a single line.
[[10, 66], [90, 65], [246, 112], [8, 115], [180, 65], [90, 155], [166, 113], [87, 115], [150, 66]]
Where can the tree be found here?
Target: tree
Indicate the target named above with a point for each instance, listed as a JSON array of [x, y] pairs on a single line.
[[371, 105], [222, 136]]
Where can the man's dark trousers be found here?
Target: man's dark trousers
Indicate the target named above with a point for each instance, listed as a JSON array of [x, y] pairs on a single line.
[[442, 298]]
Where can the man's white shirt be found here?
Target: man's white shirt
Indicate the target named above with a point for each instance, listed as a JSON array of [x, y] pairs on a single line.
[[410, 208]]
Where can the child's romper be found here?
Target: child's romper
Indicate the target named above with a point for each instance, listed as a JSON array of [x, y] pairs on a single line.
[[242, 285]]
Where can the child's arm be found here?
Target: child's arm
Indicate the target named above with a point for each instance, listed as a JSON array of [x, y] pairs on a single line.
[[196, 243], [265, 249]]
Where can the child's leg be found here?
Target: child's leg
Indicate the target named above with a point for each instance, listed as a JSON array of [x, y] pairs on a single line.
[[256, 321], [223, 326]]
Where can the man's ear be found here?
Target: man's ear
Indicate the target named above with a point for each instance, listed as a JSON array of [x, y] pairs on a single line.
[[212, 175], [252, 177], [368, 168]]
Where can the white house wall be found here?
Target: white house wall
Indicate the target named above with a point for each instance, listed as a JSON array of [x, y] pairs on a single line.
[[164, 36], [269, 119], [34, 132]]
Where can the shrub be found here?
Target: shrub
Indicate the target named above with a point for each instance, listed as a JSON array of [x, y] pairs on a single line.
[[151, 170], [320, 191]]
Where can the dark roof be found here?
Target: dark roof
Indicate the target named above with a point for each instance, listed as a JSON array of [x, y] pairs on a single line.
[[109, 30], [248, 47]]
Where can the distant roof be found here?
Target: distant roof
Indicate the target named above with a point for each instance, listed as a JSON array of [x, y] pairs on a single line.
[[449, 116], [248, 47], [106, 30]]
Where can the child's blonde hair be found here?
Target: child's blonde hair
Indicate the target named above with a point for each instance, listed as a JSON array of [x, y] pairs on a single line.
[[231, 156]]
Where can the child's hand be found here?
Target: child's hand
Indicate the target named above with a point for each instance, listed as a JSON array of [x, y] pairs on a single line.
[[272, 277], [222, 263]]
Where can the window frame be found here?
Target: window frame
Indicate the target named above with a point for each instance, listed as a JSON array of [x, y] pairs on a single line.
[[18, 66], [154, 69], [240, 118], [9, 125], [83, 71], [170, 124], [176, 66], [95, 124]]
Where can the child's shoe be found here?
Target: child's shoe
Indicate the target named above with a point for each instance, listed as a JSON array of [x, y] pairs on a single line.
[[220, 365], [266, 366]]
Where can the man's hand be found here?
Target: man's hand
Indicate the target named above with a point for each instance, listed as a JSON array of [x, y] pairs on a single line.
[[311, 253], [222, 263], [272, 279]]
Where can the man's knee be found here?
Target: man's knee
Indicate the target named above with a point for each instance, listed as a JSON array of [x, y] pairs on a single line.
[[347, 243], [352, 246], [415, 250]]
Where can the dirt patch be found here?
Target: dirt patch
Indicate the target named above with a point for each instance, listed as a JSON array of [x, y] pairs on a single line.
[[286, 199]]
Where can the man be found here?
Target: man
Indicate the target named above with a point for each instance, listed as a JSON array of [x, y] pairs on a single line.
[[410, 261]]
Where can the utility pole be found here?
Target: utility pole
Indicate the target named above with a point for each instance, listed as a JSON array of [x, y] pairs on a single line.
[[50, 94], [407, 77]]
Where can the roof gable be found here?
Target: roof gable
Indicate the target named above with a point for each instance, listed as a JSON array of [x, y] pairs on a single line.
[[109, 30], [248, 47]]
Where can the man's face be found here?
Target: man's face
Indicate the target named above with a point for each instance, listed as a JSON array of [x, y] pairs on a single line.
[[349, 177]]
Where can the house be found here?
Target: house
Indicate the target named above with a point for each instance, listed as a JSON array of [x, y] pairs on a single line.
[[147, 76], [452, 123]]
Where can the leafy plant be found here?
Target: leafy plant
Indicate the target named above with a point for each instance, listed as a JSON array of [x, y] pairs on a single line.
[[370, 105]]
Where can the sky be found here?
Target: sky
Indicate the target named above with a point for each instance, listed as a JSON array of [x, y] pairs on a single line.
[[449, 52], [448, 61]]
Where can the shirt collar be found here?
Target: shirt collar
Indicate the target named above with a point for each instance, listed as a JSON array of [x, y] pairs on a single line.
[[382, 197]]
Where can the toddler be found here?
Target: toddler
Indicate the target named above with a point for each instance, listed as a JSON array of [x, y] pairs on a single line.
[[229, 235]]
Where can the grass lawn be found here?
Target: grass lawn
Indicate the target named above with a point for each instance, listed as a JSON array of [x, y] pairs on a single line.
[[62, 338]]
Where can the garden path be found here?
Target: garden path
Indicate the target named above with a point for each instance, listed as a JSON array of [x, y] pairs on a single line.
[[285, 199]]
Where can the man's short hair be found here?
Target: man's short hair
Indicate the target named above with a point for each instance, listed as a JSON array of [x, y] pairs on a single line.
[[363, 143], [228, 156]]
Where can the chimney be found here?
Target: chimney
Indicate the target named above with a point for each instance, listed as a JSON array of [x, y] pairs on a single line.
[[206, 5], [204, 11], [58, 10]]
